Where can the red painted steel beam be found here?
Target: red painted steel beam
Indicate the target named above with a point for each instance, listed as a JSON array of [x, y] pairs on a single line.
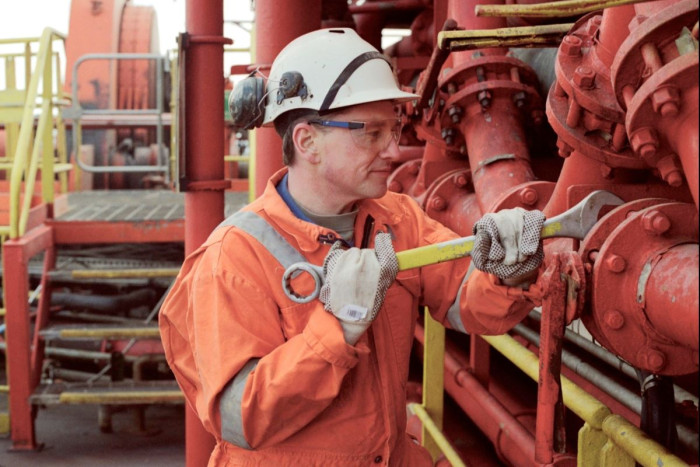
[[276, 26], [82, 232], [204, 162], [15, 255]]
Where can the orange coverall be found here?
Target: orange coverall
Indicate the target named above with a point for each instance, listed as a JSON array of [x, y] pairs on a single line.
[[312, 399]]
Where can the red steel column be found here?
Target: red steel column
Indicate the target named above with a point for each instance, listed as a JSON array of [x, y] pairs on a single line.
[[276, 25], [204, 153]]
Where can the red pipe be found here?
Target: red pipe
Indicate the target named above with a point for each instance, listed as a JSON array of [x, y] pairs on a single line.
[[276, 27], [613, 32], [204, 161], [511, 440], [464, 13], [671, 295], [497, 149]]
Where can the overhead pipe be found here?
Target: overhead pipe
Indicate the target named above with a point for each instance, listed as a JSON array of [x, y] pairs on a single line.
[[204, 158], [275, 28]]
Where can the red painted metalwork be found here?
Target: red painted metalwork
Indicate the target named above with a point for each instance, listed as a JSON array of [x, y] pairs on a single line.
[[276, 27], [204, 161], [662, 117], [16, 255]]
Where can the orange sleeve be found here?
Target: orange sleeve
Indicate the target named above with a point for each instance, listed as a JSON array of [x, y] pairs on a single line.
[[487, 307]]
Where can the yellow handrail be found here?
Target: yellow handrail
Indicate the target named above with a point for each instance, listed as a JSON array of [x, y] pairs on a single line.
[[25, 162], [606, 439]]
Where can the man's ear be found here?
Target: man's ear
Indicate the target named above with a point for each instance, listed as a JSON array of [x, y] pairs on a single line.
[[305, 138]]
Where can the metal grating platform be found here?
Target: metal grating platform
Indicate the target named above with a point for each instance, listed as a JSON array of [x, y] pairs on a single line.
[[133, 206]]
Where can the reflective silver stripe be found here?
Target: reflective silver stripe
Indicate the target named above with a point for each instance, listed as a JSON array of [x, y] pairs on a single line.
[[262, 231], [230, 407], [453, 315]]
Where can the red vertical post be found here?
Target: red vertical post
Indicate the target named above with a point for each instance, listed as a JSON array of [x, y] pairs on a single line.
[[276, 26], [15, 262], [204, 157]]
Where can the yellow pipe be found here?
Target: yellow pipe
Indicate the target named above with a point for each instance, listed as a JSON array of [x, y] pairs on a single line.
[[526, 36], [236, 158], [563, 9], [123, 273], [590, 409], [131, 397], [437, 435]]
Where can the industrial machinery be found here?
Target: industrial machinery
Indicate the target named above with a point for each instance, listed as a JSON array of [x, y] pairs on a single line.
[[522, 104]]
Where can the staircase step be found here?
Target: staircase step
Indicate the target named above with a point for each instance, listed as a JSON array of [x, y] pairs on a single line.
[[112, 393], [100, 331]]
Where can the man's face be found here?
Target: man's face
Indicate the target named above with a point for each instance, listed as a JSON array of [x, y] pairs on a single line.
[[356, 163]]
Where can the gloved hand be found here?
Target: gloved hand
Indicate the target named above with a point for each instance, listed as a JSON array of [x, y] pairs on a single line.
[[356, 282], [508, 244]]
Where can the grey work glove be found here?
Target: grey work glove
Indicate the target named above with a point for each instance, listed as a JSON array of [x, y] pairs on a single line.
[[508, 243], [356, 282]]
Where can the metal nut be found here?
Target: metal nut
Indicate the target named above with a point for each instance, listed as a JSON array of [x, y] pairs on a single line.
[[460, 181], [584, 77], [438, 203], [655, 360], [615, 263], [655, 222], [528, 196], [484, 98], [571, 46], [665, 101], [614, 319], [644, 142]]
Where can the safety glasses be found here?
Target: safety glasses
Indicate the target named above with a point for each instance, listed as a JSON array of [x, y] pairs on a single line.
[[375, 134]]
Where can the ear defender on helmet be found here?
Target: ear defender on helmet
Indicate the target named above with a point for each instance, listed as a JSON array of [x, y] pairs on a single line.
[[246, 103]]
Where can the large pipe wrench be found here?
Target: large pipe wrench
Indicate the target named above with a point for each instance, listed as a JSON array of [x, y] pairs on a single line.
[[573, 223]]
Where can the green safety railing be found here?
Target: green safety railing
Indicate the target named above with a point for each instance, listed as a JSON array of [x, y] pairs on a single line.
[[31, 117]]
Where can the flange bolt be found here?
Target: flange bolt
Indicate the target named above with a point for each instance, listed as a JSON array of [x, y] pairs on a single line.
[[655, 222], [615, 263], [614, 319]]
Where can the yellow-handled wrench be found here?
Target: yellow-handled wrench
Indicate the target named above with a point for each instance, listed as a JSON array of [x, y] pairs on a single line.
[[573, 223]]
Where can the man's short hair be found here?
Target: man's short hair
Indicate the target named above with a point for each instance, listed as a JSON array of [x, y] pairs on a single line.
[[284, 125]]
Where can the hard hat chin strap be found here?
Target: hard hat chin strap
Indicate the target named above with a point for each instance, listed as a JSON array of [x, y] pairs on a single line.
[[345, 75]]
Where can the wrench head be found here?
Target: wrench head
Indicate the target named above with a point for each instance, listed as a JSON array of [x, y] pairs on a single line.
[[591, 207], [580, 219]]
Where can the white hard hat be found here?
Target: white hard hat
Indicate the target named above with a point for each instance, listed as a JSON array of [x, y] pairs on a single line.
[[329, 69]]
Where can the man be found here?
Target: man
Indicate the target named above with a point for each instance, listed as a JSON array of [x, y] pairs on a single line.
[[323, 383]]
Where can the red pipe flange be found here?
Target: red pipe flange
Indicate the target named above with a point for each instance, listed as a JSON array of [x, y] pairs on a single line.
[[581, 106], [590, 249], [662, 116], [451, 201], [622, 269], [531, 195]]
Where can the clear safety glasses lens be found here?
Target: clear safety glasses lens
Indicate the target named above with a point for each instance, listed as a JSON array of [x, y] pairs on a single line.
[[375, 134]]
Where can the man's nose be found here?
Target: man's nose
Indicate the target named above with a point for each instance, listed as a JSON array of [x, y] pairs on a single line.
[[391, 151]]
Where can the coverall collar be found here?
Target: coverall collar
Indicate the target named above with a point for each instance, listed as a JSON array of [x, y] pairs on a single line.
[[307, 233]]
